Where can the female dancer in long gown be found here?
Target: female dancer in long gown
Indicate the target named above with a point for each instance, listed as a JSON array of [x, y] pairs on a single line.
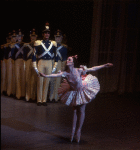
[[77, 90]]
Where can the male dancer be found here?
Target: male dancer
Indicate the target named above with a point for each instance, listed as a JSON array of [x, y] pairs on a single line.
[[31, 76], [8, 65], [17, 51], [3, 71], [45, 50], [11, 67], [62, 57]]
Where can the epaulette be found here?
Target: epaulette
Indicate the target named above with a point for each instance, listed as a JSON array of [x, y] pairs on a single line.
[[12, 45], [2, 46], [65, 45], [9, 44], [26, 44], [37, 42], [5, 45], [54, 43]]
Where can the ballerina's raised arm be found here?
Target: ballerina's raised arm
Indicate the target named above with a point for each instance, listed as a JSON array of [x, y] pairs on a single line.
[[95, 68]]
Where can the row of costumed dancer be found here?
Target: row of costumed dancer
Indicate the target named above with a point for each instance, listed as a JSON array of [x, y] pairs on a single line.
[[19, 62], [77, 88]]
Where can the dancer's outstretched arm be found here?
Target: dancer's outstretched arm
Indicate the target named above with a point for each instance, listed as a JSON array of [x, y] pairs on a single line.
[[95, 68], [51, 75]]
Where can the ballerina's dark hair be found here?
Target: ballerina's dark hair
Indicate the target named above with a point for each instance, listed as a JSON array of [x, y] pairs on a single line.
[[75, 62]]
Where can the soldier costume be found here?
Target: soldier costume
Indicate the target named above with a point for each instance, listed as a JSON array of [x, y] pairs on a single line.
[[11, 89], [62, 57], [31, 75], [17, 51], [3, 70], [8, 65], [45, 50]]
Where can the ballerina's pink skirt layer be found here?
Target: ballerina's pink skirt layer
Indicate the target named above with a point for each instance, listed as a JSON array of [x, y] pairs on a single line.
[[85, 95]]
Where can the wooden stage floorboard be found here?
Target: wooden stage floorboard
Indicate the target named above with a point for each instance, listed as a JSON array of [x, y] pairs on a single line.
[[112, 123]]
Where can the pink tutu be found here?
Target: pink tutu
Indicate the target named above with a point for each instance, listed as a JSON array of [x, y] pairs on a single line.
[[85, 95]]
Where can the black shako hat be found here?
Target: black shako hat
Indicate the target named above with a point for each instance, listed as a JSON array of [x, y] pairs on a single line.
[[19, 33], [33, 32], [13, 34], [47, 28], [58, 33], [8, 35]]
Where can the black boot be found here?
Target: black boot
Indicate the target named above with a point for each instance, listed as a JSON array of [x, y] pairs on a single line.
[[39, 104], [44, 104], [54, 101]]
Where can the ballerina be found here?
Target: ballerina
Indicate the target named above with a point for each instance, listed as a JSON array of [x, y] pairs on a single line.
[[76, 90]]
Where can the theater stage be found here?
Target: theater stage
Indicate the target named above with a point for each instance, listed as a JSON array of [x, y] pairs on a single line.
[[112, 123]]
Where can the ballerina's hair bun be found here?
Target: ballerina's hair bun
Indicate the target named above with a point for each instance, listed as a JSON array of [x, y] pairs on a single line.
[[75, 60], [75, 56]]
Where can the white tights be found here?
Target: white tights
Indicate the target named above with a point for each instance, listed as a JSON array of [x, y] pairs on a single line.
[[78, 118]]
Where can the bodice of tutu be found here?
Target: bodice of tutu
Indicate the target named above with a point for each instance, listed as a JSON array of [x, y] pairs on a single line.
[[74, 79]]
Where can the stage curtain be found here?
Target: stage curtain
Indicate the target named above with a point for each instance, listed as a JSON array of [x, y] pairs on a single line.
[[115, 39]]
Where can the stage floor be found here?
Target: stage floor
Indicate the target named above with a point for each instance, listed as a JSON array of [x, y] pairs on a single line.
[[112, 123]]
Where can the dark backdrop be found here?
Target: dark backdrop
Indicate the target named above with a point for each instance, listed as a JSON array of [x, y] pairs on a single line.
[[74, 18], [115, 39]]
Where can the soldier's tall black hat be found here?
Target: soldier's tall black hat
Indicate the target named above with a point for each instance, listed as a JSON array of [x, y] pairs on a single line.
[[20, 33], [8, 35], [47, 28], [58, 33], [13, 34], [33, 32]]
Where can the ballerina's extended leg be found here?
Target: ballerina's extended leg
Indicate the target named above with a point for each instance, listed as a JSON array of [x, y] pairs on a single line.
[[80, 121], [74, 123]]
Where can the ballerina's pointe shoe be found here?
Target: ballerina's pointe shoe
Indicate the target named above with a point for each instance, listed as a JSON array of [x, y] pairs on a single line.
[[71, 138], [72, 135], [78, 135]]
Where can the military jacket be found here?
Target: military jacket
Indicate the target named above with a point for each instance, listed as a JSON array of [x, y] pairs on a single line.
[[28, 51], [61, 52], [7, 50], [2, 55], [45, 50], [17, 50]]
